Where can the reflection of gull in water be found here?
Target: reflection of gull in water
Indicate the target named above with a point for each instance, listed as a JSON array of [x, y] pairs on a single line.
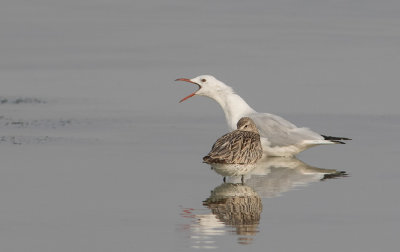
[[273, 176], [236, 208], [277, 173], [203, 229]]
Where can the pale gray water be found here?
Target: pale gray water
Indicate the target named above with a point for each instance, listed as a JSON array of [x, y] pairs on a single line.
[[97, 155]]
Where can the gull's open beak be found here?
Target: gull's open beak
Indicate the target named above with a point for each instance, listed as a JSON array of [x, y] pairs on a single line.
[[192, 94]]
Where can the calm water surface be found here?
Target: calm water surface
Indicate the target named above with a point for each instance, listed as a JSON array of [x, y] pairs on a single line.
[[85, 181]]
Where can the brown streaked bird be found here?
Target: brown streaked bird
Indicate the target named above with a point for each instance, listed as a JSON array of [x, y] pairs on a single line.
[[241, 146]]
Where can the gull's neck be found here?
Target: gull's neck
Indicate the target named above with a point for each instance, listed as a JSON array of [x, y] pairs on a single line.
[[233, 106]]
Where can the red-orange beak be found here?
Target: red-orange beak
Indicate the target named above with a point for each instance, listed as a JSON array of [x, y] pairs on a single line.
[[192, 94]]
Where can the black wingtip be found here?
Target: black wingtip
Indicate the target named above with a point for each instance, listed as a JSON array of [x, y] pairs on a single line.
[[339, 174], [338, 142], [335, 139]]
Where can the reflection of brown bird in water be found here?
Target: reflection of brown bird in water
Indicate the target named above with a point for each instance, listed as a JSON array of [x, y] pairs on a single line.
[[241, 146], [238, 206]]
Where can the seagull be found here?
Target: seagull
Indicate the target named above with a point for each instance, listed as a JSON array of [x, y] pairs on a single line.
[[236, 153], [279, 137]]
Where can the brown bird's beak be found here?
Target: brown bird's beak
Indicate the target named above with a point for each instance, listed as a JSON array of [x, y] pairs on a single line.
[[192, 94]]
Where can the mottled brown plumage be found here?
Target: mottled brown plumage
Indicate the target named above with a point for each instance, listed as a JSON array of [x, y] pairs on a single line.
[[241, 146]]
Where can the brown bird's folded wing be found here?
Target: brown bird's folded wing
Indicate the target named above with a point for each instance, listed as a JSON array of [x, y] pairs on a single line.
[[236, 147]]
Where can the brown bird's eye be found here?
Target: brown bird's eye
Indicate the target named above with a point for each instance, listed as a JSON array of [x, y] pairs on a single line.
[[203, 80]]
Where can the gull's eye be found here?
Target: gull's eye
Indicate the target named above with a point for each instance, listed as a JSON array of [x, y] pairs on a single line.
[[203, 80], [245, 126]]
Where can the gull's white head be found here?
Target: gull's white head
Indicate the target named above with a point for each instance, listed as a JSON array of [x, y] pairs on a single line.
[[208, 86]]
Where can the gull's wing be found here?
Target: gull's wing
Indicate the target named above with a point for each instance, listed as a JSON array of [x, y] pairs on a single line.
[[236, 147], [281, 132]]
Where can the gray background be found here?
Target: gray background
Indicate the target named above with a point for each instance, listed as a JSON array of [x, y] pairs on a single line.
[[97, 154]]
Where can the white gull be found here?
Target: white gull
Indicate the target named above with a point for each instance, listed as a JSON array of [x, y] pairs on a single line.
[[279, 137]]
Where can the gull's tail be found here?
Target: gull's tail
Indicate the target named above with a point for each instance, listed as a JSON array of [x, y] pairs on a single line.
[[336, 139]]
